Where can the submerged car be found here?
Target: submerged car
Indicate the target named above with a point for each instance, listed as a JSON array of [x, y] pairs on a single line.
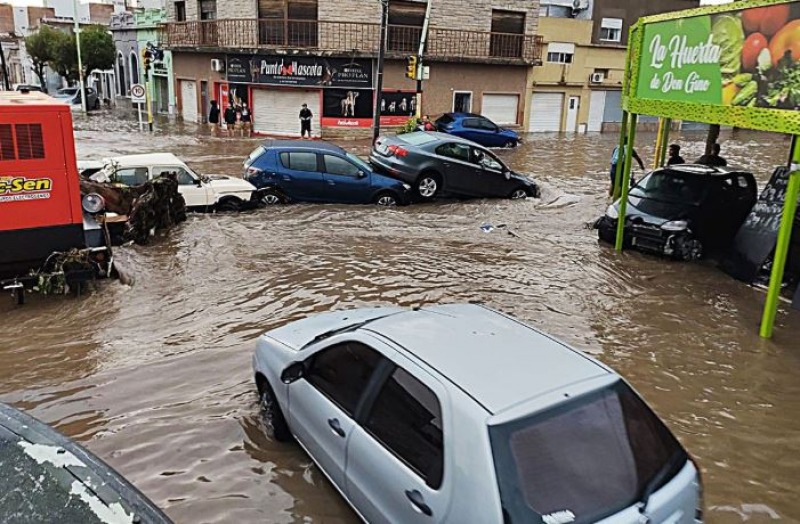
[[436, 163], [458, 413], [72, 96], [203, 192], [476, 128], [683, 211], [45, 477], [296, 171]]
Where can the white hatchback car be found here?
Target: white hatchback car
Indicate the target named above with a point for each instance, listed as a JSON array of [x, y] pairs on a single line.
[[460, 414], [220, 192]]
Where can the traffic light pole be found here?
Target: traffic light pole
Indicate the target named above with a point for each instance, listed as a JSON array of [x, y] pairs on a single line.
[[420, 57], [376, 122]]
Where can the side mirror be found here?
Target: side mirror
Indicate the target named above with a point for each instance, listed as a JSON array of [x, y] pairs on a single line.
[[198, 182], [362, 174], [293, 373]]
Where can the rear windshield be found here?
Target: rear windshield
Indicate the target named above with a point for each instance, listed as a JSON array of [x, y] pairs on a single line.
[[445, 119], [673, 187], [257, 152], [585, 460], [416, 139], [68, 91]]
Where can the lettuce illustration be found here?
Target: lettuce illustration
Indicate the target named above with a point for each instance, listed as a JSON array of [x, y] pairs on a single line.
[[728, 34]]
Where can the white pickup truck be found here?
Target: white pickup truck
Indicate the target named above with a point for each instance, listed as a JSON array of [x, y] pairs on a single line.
[[209, 192]]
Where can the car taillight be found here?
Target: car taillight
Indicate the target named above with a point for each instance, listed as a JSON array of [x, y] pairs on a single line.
[[252, 171], [397, 151]]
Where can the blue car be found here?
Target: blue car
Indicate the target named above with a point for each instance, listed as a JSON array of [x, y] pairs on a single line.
[[298, 171], [478, 129]]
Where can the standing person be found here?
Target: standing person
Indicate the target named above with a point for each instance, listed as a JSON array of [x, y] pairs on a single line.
[[713, 159], [675, 155], [213, 117], [615, 157], [305, 121], [230, 118], [426, 125], [247, 120]]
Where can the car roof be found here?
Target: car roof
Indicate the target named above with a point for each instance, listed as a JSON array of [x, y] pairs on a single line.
[[495, 359], [701, 169], [316, 145], [466, 115], [146, 159]]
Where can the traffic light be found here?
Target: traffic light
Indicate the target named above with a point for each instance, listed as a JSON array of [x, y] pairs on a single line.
[[147, 59], [411, 67]]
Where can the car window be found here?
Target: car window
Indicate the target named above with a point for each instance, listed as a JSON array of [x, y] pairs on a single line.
[[472, 123], [183, 176], [486, 124], [407, 418], [341, 373], [299, 161], [742, 182], [453, 150], [417, 138], [339, 166], [444, 119], [132, 176], [486, 159], [360, 163], [672, 186]]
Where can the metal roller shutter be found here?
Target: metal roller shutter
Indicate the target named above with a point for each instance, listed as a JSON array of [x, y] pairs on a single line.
[[276, 112], [597, 106], [546, 110], [500, 109], [189, 101]]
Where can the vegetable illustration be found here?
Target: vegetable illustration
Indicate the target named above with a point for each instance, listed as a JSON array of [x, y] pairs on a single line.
[[765, 20], [786, 40], [746, 94], [728, 34], [729, 92], [753, 46]]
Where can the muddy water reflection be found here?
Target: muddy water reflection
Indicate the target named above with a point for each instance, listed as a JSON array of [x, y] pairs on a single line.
[[156, 378]]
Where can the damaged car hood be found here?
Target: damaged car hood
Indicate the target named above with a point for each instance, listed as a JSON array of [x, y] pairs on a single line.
[[228, 184]]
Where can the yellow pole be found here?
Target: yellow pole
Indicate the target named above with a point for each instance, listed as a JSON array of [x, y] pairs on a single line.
[[659, 141], [626, 182]]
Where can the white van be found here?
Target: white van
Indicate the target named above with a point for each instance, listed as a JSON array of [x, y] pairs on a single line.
[[219, 192]]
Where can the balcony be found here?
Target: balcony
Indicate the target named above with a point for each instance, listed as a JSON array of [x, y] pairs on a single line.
[[350, 37]]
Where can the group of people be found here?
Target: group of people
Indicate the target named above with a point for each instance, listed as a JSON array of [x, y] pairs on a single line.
[[674, 158], [236, 119]]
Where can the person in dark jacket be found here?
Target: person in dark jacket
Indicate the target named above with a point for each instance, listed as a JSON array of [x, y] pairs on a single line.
[[230, 118], [247, 119], [713, 159], [305, 121], [213, 117], [675, 155]]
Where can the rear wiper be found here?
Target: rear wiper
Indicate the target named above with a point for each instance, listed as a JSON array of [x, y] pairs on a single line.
[[658, 478]]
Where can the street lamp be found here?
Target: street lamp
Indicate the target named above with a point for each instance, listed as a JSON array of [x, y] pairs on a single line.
[[78, 46], [376, 122]]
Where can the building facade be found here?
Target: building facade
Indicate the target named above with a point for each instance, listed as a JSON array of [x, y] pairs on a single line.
[[279, 54], [579, 86], [147, 23]]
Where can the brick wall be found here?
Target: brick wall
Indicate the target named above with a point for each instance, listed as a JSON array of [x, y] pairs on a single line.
[[233, 9], [35, 14], [6, 18], [101, 13]]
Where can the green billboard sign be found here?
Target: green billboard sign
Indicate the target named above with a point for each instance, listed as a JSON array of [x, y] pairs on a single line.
[[740, 65]]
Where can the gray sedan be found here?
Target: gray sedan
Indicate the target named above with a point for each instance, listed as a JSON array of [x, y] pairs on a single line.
[[436, 163]]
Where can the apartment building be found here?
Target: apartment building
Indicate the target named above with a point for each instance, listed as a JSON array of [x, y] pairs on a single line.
[[579, 86], [279, 54]]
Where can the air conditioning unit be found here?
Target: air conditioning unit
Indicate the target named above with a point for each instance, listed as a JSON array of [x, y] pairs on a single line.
[[597, 78], [217, 65]]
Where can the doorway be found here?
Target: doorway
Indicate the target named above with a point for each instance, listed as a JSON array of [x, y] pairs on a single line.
[[462, 101], [572, 113], [204, 100]]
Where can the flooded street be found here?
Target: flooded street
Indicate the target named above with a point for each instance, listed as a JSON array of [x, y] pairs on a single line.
[[156, 379]]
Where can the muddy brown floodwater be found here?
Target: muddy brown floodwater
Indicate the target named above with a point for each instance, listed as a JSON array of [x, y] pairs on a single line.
[[155, 378]]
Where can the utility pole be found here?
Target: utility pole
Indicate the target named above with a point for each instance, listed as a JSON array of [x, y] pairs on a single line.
[[376, 122], [80, 63], [423, 41]]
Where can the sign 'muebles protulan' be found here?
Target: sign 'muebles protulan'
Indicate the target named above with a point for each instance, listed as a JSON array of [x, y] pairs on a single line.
[[300, 71]]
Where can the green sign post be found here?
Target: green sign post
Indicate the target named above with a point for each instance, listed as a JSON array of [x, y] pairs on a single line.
[[736, 65]]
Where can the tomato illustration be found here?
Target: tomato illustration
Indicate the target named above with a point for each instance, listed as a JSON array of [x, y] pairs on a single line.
[[765, 20], [752, 47], [786, 40]]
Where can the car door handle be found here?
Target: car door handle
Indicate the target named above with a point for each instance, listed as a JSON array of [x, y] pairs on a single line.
[[418, 503], [336, 427]]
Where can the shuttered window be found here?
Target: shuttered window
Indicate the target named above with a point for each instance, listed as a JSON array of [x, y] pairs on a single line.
[[30, 144], [6, 143], [288, 9]]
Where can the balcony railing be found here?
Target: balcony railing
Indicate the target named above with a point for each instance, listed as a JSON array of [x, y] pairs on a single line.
[[349, 37]]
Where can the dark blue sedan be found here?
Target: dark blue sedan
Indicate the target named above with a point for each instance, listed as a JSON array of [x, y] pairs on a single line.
[[476, 128], [300, 171]]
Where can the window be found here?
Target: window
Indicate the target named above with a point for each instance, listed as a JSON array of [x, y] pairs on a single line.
[[486, 125], [560, 52], [180, 11], [611, 30], [30, 144], [208, 9], [407, 419], [508, 30], [300, 161], [183, 177], [486, 159], [6, 143], [339, 166], [342, 372], [457, 151], [133, 176], [134, 67], [462, 102], [405, 25], [471, 123], [288, 22]]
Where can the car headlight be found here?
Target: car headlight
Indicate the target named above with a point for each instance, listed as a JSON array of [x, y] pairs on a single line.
[[406, 187], [611, 212], [675, 225], [93, 203]]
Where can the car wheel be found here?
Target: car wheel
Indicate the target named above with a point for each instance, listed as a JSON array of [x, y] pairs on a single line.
[[272, 414], [510, 144], [96, 105], [428, 185], [519, 194], [386, 200], [227, 205], [688, 248], [272, 197]]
